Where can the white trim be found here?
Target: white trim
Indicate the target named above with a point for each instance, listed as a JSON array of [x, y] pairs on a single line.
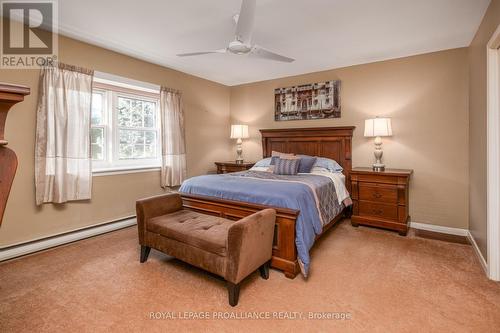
[[46, 243], [69, 231], [124, 170], [454, 231], [440, 229], [493, 157], [126, 82], [478, 253]]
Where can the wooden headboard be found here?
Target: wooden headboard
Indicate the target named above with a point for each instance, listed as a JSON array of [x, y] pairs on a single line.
[[330, 142]]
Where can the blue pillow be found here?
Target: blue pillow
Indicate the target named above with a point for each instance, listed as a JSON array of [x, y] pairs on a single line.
[[264, 162], [286, 166], [306, 163], [329, 164]]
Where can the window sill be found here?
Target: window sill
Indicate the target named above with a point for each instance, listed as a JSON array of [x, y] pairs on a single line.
[[124, 170]]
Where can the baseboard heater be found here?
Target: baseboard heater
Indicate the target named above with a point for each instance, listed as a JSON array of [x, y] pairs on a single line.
[[30, 247]]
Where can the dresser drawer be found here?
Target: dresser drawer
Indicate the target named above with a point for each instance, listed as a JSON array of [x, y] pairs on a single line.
[[378, 192], [226, 169], [389, 212], [232, 167]]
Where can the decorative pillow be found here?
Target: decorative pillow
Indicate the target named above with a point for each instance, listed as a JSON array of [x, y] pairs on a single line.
[[329, 164], [285, 157], [306, 163], [286, 166]]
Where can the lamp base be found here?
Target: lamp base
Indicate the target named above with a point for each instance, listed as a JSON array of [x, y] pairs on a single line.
[[239, 152], [378, 165]]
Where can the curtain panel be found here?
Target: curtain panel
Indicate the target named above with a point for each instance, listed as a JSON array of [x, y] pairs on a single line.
[[173, 169], [62, 149]]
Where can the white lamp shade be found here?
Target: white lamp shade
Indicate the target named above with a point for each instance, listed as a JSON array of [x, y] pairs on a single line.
[[378, 127], [239, 131]]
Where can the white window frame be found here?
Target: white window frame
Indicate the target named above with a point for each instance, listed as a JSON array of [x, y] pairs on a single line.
[[105, 122], [111, 163], [493, 157]]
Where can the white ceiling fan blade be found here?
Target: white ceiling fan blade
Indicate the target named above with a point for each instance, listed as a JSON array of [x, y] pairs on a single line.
[[246, 19], [200, 53], [259, 52]]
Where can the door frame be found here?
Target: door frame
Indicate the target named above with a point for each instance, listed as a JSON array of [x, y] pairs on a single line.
[[493, 155]]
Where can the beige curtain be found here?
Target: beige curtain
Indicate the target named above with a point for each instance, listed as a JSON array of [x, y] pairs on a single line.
[[62, 152], [173, 169]]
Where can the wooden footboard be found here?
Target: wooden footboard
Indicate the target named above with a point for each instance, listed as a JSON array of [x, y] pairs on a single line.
[[284, 249]]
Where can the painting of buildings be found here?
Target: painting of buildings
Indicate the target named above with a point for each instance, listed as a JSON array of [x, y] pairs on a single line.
[[309, 101]]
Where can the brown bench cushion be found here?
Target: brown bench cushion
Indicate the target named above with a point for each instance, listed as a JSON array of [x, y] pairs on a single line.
[[205, 232]]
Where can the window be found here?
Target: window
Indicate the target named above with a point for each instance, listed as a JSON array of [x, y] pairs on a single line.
[[137, 130], [125, 128]]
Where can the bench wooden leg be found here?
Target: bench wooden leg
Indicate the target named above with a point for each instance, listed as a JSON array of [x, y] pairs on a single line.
[[264, 271], [234, 293], [144, 253]]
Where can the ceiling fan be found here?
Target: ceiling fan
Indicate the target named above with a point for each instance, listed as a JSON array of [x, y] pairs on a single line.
[[241, 45]]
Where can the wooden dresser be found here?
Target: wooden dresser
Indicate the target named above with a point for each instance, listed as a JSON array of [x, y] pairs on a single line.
[[232, 166], [381, 198]]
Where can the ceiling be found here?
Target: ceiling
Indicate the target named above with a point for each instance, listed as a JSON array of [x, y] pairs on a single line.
[[319, 34]]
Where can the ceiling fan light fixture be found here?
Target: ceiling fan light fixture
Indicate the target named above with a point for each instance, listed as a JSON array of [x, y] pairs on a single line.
[[242, 43], [238, 47]]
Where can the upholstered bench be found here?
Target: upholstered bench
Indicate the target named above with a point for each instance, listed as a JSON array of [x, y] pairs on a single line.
[[230, 249]]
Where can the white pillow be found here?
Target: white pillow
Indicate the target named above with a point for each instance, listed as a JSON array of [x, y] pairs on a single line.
[[263, 163], [261, 168], [321, 169]]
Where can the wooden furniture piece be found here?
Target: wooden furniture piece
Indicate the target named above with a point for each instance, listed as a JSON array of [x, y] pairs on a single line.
[[9, 95], [232, 250], [380, 198], [232, 166], [330, 142]]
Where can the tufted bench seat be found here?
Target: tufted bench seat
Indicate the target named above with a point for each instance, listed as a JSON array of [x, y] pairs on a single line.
[[199, 230], [231, 249]]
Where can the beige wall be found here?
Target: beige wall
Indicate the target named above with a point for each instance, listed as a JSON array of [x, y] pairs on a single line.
[[207, 122], [477, 124], [425, 95]]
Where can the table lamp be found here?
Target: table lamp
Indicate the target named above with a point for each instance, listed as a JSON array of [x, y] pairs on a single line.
[[378, 127], [239, 132]]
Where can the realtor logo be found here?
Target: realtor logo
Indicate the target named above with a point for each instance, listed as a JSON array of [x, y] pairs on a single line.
[[29, 36]]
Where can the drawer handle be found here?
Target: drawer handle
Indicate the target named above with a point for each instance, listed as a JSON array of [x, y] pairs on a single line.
[[377, 211], [377, 195]]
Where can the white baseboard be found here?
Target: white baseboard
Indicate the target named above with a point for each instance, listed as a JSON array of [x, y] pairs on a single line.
[[43, 244], [454, 231], [440, 229], [479, 255]]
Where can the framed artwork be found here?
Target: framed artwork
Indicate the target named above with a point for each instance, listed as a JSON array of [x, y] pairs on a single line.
[[308, 101]]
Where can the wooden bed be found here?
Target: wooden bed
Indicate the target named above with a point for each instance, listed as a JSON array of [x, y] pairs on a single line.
[[330, 142]]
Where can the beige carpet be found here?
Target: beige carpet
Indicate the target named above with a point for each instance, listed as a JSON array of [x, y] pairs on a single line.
[[381, 281]]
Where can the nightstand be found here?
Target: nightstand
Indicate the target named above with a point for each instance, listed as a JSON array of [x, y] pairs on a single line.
[[380, 198], [232, 166]]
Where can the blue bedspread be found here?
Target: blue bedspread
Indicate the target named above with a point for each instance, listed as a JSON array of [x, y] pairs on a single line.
[[313, 195]]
